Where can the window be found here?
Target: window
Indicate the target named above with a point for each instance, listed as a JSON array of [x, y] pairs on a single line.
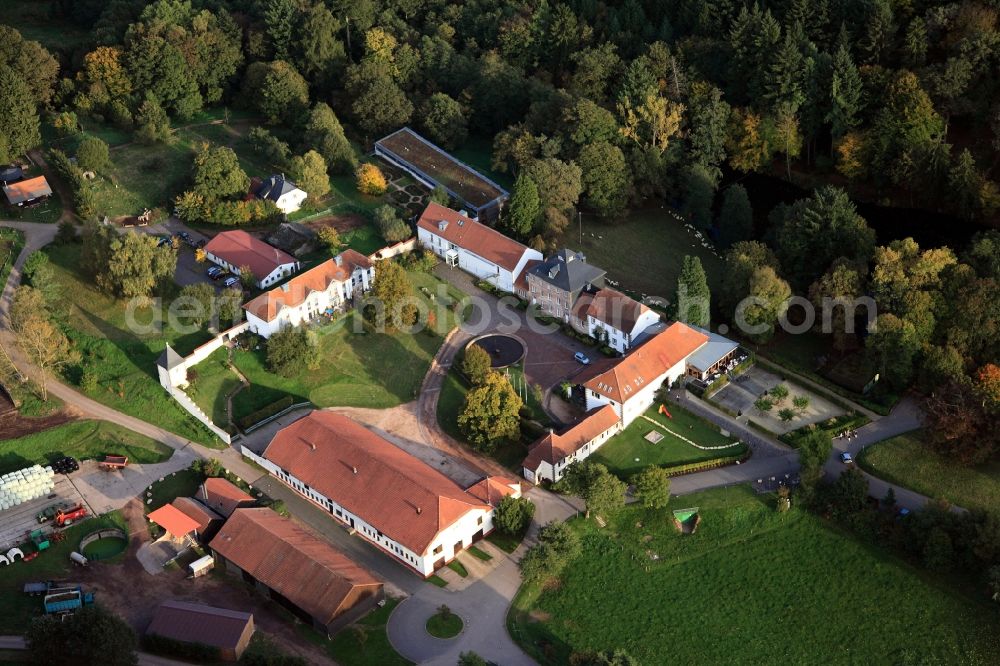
[[480, 521], [438, 549]]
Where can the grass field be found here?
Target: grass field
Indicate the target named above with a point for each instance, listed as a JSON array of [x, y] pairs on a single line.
[[750, 586], [46, 212], [374, 650], [906, 460], [34, 20], [179, 484], [16, 608], [123, 362], [628, 452], [647, 251], [213, 383], [84, 440], [357, 369]]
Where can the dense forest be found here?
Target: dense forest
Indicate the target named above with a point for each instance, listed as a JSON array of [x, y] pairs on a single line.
[[607, 105]]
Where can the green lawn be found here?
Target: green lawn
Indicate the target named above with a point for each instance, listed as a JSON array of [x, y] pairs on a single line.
[[374, 649], [46, 212], [480, 554], [628, 452], [458, 568], [183, 483], [440, 625], [84, 440], [750, 586], [646, 255], [34, 20], [17, 608], [357, 369], [213, 382], [906, 460], [508, 543], [122, 361]]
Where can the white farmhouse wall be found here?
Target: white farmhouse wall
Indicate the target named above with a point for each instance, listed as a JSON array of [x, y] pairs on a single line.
[[638, 401]]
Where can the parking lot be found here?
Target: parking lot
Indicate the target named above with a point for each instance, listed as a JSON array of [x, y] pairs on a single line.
[[188, 270], [16, 522], [739, 397]]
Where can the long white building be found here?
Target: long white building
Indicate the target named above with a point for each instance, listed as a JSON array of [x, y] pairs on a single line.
[[329, 286], [474, 247], [394, 500]]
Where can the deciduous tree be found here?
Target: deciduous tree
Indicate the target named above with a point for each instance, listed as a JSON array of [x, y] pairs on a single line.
[[91, 635], [652, 486], [444, 121], [370, 180], [513, 515], [392, 292], [490, 413], [325, 135], [605, 177], [309, 171], [476, 364], [92, 154], [291, 350]]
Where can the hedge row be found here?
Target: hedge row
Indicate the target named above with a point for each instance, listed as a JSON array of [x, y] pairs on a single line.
[[832, 426], [265, 412], [677, 470]]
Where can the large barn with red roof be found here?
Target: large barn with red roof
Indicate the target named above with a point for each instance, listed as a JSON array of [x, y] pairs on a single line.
[[391, 498]]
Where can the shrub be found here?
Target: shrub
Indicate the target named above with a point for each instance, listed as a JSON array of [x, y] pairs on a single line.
[[371, 180], [266, 412], [290, 351], [476, 364], [513, 515], [92, 154], [389, 225]]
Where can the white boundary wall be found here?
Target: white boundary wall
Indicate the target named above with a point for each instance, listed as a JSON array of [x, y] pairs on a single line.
[[175, 379]]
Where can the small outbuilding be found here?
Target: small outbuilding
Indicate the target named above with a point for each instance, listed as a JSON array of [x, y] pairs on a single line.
[[283, 192], [208, 520], [27, 192], [174, 522], [226, 630], [11, 174], [223, 497]]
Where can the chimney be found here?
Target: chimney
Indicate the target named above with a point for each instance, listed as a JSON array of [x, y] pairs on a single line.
[[419, 510], [339, 259], [312, 445], [354, 469]]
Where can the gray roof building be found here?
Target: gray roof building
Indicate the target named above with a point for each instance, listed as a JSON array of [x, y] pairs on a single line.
[[274, 186], [225, 629], [569, 271]]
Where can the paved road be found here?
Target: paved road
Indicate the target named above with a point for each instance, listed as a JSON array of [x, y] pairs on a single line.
[[483, 605]]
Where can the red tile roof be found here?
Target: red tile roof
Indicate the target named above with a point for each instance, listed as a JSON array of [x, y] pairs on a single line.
[[470, 235], [295, 291], [552, 448], [222, 496], [241, 249], [198, 623], [293, 561], [26, 190], [644, 363], [616, 309], [492, 489], [396, 493], [196, 511], [521, 283], [173, 520]]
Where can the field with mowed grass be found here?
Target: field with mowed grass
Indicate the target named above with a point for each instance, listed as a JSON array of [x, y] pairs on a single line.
[[644, 251], [629, 451], [118, 364], [907, 460], [84, 440], [357, 368], [209, 384], [365, 643], [750, 586]]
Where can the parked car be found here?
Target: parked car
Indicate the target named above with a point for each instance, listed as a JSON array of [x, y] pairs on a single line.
[[164, 240], [215, 272], [231, 281], [846, 458], [184, 236], [201, 243], [581, 358]]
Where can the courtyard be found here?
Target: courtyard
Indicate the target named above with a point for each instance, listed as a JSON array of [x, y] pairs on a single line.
[[739, 396]]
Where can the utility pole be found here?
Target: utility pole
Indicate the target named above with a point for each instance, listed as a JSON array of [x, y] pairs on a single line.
[[579, 215]]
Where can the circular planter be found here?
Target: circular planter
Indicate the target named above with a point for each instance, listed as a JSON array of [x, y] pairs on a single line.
[[444, 626], [504, 350], [103, 544]]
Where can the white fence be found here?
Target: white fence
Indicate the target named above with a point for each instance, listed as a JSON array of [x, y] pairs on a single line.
[[174, 377]]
